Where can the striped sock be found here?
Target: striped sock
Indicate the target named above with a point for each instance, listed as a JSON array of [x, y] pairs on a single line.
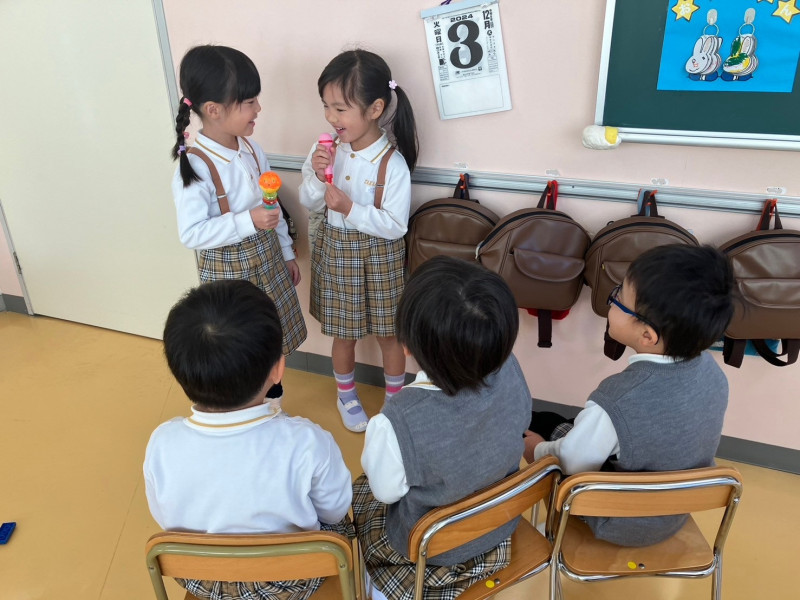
[[346, 386], [394, 383]]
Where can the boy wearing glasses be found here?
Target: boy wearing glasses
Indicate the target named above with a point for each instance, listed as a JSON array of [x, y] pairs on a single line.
[[664, 412]]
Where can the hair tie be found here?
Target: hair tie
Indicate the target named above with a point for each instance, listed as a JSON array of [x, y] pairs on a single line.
[[181, 150], [392, 84], [187, 102]]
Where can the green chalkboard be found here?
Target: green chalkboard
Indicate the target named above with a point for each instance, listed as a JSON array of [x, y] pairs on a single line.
[[632, 99]]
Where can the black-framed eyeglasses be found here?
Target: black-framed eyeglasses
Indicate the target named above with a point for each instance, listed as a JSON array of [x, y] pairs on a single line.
[[612, 299]]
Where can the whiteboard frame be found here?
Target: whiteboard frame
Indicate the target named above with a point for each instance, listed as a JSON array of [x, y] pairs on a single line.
[[725, 139]]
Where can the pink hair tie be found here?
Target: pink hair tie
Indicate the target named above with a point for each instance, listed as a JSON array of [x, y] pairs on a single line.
[[181, 150], [392, 84], [187, 102]]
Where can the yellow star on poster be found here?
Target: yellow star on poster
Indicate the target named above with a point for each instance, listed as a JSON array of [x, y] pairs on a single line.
[[684, 9], [770, 1], [786, 10]]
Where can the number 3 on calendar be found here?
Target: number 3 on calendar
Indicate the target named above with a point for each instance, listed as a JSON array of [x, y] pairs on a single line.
[[469, 52]]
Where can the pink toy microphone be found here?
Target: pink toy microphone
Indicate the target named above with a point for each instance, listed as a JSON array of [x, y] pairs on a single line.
[[326, 140]]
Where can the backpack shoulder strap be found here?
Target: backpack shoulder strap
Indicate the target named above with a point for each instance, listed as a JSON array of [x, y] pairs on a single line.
[[222, 196], [791, 350], [733, 351], [611, 347], [382, 177]]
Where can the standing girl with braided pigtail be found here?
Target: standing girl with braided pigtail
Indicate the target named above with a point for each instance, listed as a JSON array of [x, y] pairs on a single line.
[[358, 253], [219, 202]]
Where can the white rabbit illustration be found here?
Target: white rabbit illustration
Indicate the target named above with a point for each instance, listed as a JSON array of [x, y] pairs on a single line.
[[705, 59]]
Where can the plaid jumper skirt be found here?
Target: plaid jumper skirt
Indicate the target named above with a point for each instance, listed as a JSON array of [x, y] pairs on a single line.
[[356, 279], [393, 574], [295, 589], [259, 259]]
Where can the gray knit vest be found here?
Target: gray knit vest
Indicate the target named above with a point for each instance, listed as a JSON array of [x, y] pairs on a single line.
[[454, 445], [668, 417]]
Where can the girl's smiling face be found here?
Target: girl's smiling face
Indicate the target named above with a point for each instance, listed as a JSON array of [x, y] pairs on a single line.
[[354, 125], [240, 119], [224, 124]]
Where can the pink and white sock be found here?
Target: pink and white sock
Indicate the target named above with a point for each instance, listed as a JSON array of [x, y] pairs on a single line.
[[346, 386], [394, 383]]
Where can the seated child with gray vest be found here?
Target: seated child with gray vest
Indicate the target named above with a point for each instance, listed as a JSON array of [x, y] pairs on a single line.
[[664, 412], [445, 435], [239, 464]]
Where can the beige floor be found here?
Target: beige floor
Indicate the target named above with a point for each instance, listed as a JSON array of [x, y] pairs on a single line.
[[77, 405]]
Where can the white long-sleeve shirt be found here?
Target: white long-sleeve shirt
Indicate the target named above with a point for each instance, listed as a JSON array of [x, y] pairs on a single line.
[[355, 173], [200, 222], [245, 471], [593, 439]]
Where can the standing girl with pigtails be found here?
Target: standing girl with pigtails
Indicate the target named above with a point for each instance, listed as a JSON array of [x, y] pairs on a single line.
[[358, 253], [216, 191]]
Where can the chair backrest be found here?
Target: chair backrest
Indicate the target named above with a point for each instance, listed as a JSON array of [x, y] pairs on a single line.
[[620, 494], [265, 557], [450, 526]]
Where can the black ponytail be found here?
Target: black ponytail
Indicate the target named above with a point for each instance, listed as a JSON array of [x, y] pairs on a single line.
[[404, 129], [179, 149], [210, 74]]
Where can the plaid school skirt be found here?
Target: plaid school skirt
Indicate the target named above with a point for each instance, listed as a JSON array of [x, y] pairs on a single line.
[[356, 282], [393, 574], [259, 259], [295, 589]]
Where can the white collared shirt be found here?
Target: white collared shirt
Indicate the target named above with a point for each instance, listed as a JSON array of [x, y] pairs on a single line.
[[355, 173], [245, 471], [200, 222], [593, 439]]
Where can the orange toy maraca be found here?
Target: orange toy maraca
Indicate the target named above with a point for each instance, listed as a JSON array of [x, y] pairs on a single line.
[[269, 183]]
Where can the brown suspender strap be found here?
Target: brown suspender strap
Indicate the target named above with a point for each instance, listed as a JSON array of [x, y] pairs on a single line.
[[222, 196], [382, 177]]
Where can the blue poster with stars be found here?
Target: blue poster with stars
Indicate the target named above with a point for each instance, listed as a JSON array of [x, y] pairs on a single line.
[[663, 60], [730, 46]]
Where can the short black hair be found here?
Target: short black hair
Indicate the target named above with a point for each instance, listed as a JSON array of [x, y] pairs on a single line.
[[458, 320], [687, 292], [221, 341]]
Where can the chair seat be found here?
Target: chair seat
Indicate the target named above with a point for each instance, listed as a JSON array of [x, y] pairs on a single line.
[[530, 553], [583, 554]]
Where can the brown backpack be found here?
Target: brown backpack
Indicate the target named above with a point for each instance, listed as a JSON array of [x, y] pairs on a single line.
[[766, 265], [539, 252], [449, 226], [616, 246]]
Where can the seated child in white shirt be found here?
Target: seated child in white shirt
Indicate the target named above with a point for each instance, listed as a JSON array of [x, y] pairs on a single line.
[[238, 464], [664, 412], [446, 435]]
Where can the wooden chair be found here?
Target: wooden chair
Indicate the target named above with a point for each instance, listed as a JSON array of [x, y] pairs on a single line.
[[267, 557], [451, 526], [581, 557]]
